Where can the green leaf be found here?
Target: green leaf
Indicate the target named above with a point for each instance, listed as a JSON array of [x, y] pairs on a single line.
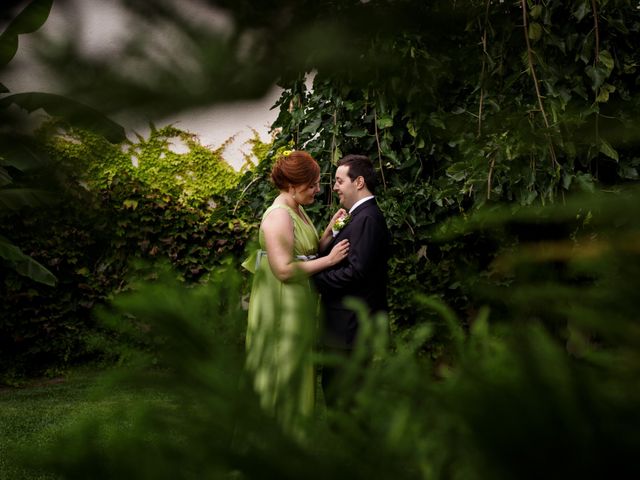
[[603, 93], [84, 271], [585, 181], [73, 112], [411, 128], [435, 121], [535, 31], [448, 315], [21, 152], [558, 42], [313, 126], [337, 155], [536, 11], [608, 150], [385, 122], [630, 173], [356, 132], [597, 74], [528, 197], [605, 58], [5, 178], [587, 50], [393, 156], [581, 11], [8, 48], [457, 171], [24, 264], [629, 67], [480, 327], [413, 159], [16, 198], [32, 17], [130, 204]]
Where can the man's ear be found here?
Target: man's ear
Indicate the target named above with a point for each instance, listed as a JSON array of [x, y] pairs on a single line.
[[360, 182]]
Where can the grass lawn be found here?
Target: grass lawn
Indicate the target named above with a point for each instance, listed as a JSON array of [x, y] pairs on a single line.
[[33, 415]]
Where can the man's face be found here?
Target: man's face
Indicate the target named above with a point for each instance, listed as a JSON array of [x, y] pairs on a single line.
[[345, 188]]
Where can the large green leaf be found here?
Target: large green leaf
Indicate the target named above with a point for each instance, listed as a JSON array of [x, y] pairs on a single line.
[[356, 132], [8, 48], [313, 126], [21, 152], [75, 113], [24, 264], [608, 150], [16, 198], [5, 178], [385, 121], [597, 74], [535, 31], [29, 20], [606, 59], [581, 11]]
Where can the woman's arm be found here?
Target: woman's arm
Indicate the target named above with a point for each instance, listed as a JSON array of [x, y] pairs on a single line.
[[277, 227], [369, 247], [327, 235]]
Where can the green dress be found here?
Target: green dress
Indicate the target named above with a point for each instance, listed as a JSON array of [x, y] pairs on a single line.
[[281, 328]]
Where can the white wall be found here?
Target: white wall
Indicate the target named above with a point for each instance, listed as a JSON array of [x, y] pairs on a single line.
[[102, 27]]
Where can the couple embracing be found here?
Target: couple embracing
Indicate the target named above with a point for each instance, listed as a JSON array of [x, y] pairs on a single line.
[[294, 264]]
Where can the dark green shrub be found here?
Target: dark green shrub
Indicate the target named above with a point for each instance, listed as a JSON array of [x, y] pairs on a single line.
[[515, 402], [109, 213]]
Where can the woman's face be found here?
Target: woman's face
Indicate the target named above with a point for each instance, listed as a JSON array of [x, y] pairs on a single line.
[[305, 194]]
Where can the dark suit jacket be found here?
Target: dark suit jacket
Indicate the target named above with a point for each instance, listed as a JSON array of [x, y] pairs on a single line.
[[363, 274]]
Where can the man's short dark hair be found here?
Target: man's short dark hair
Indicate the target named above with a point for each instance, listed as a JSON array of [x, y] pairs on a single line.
[[360, 166]]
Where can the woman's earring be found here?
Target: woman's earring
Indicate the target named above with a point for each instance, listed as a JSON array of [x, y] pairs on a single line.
[[294, 195]]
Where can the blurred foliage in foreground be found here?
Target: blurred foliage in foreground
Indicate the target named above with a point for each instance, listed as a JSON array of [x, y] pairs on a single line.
[[545, 384]]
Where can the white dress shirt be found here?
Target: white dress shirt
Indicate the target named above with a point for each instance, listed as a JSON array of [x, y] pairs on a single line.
[[359, 202]]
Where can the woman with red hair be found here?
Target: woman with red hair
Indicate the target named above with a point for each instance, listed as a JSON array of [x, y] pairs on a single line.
[[283, 306]]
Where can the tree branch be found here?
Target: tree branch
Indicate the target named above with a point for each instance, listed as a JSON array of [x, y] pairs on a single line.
[[597, 31], [484, 66], [491, 165], [375, 126], [525, 20]]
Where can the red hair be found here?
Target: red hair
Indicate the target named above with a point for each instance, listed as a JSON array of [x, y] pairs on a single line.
[[293, 169]]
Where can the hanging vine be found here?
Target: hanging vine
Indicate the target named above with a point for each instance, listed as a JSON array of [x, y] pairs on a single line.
[[379, 150], [536, 83]]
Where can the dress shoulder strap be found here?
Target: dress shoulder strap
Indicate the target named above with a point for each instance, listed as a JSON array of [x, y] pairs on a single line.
[[271, 208], [297, 218], [289, 210]]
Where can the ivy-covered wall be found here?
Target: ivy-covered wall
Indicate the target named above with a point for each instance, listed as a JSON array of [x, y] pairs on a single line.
[[108, 214], [495, 103]]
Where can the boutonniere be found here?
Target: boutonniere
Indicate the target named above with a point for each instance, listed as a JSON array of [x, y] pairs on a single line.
[[340, 224]]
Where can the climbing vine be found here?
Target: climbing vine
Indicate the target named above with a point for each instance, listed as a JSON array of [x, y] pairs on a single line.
[[119, 207], [518, 102]]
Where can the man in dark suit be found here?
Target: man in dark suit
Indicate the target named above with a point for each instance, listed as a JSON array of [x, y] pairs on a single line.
[[363, 274]]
